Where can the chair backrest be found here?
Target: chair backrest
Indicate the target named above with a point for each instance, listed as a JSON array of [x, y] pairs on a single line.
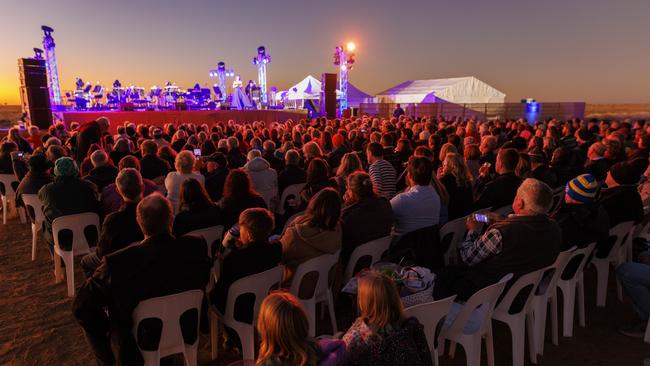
[[77, 224], [210, 235], [34, 207], [622, 232], [584, 256], [479, 309], [169, 310], [258, 284], [430, 315], [558, 195], [321, 265], [553, 272], [373, 249], [8, 185], [525, 285], [451, 234], [292, 191], [504, 211]]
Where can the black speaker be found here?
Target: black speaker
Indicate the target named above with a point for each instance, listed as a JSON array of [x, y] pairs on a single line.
[[328, 95], [34, 93]]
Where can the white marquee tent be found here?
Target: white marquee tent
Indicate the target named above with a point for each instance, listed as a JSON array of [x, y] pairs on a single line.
[[455, 90], [309, 88]]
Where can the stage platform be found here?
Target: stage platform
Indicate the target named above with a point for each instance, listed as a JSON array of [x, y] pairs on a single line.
[[159, 118]]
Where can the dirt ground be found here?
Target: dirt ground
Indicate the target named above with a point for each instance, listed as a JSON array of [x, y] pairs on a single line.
[[37, 327]]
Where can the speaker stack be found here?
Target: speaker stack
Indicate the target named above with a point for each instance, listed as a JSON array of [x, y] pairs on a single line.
[[328, 95], [34, 93]]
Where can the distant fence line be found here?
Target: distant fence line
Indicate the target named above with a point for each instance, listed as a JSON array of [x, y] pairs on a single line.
[[478, 110]]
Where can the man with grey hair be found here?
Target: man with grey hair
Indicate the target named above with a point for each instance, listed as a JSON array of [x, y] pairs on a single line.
[[103, 172], [160, 265], [525, 241], [292, 172]]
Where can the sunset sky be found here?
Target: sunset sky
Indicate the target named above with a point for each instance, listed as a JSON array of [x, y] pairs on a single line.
[[552, 50]]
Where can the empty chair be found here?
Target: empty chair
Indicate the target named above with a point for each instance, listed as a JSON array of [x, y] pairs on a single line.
[[320, 292], [430, 315], [77, 225], [373, 249], [616, 256], [513, 310], [546, 293], [34, 208], [451, 234], [259, 285], [169, 310], [210, 235], [569, 283], [8, 185], [468, 323], [293, 192]]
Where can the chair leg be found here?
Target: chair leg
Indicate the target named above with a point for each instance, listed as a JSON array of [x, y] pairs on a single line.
[[214, 334], [568, 305], [538, 318], [311, 315], [69, 274], [581, 301], [248, 343], [434, 355], [518, 343], [190, 353], [57, 268], [530, 327], [452, 349], [21, 213], [554, 322], [34, 238], [4, 210], [489, 347], [330, 307], [474, 354], [602, 274]]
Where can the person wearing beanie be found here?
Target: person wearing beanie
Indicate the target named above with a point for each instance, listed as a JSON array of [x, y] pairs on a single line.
[[67, 195], [340, 149], [37, 176], [621, 199], [582, 219]]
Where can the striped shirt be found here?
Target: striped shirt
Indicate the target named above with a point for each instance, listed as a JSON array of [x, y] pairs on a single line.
[[384, 178]]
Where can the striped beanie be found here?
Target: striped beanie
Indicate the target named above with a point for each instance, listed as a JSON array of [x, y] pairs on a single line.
[[583, 188]]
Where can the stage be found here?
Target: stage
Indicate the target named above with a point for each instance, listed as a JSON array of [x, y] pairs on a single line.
[[159, 118]]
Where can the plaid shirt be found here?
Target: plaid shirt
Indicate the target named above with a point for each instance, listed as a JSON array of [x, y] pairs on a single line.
[[475, 249]]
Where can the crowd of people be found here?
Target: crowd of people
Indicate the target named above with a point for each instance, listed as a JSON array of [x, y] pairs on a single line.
[[361, 179]]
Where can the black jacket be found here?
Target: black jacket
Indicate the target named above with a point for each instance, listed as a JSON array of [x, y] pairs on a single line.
[[214, 183], [460, 198], [363, 221], [190, 220], [151, 167], [31, 184], [120, 229], [291, 174], [102, 176], [160, 265], [501, 191], [622, 203], [582, 224]]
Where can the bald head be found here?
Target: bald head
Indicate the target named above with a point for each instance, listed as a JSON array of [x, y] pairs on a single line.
[[99, 158], [154, 215]]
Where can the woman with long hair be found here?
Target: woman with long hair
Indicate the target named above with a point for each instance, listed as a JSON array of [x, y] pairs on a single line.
[[315, 233], [238, 195], [383, 327], [349, 163], [283, 327], [197, 211], [457, 179], [318, 177]]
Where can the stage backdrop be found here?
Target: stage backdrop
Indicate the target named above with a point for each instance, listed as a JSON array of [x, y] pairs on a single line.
[[159, 118]]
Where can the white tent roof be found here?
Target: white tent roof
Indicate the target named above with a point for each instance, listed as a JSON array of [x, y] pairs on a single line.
[[309, 88], [455, 90]]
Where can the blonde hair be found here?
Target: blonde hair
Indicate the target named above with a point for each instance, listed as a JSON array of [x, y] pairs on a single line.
[[312, 150], [284, 331], [454, 164], [184, 162], [379, 301], [349, 164]]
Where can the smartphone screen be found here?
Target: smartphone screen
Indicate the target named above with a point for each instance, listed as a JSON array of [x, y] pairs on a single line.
[[480, 217], [197, 153]]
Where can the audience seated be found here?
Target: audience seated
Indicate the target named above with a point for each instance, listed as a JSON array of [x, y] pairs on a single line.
[[184, 170], [103, 172], [596, 164], [66, 195], [350, 163], [251, 254], [284, 336], [315, 233], [152, 166], [120, 228], [524, 242], [318, 178], [216, 168], [160, 265], [197, 211], [37, 176], [361, 206], [6, 149], [457, 180], [263, 177], [499, 191], [621, 199], [292, 172], [110, 197], [238, 195], [382, 335], [382, 172]]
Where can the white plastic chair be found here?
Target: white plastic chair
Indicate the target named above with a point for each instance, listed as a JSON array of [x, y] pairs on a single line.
[[292, 190], [468, 323], [518, 321], [646, 338], [75, 223], [321, 291], [210, 235], [546, 293], [34, 210], [616, 256], [558, 196], [10, 183], [503, 211], [374, 249], [259, 285], [430, 315], [570, 286], [169, 310], [453, 232]]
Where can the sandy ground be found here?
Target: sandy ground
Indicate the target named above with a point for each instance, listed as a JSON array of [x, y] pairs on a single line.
[[37, 327]]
